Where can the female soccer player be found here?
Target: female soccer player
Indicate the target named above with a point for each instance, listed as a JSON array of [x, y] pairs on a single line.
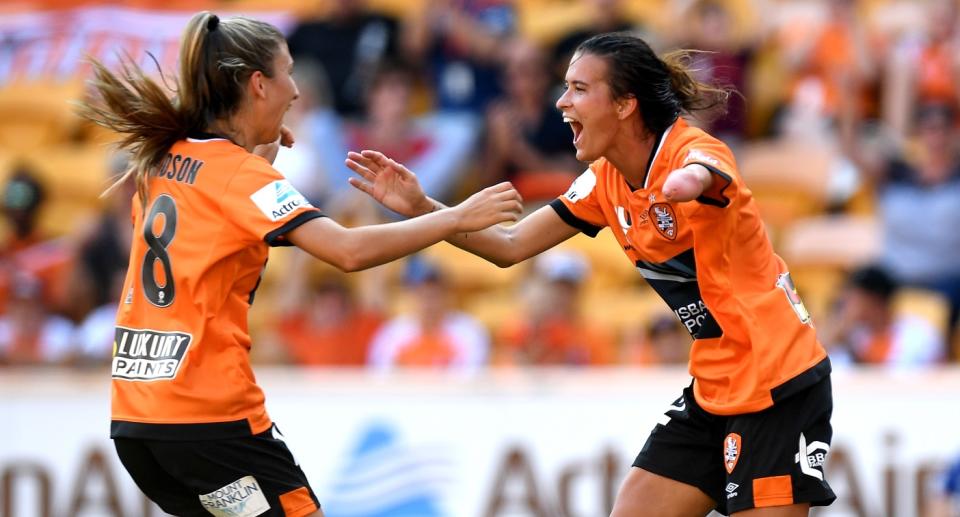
[[188, 418], [750, 434]]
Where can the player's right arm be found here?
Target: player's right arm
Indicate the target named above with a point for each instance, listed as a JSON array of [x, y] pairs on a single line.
[[353, 249], [394, 186]]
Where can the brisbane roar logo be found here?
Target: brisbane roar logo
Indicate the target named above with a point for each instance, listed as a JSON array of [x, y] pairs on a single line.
[[665, 220], [731, 451]]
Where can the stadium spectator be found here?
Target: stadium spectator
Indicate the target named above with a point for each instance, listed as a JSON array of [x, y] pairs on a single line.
[[30, 334], [459, 44], [831, 74], [551, 331], [433, 335], [863, 327], [349, 43], [917, 190], [725, 62], [26, 249], [663, 341], [673, 198], [527, 142], [103, 251], [439, 149], [921, 68], [327, 326]]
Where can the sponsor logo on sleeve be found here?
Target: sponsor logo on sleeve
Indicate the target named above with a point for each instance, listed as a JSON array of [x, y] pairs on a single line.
[[278, 199], [731, 451], [148, 355], [582, 186], [242, 498], [698, 156]]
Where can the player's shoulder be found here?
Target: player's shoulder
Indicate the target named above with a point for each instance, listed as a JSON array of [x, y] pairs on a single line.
[[691, 144]]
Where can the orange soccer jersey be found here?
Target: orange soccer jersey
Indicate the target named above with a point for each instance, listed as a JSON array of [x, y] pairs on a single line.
[[712, 263], [181, 354]]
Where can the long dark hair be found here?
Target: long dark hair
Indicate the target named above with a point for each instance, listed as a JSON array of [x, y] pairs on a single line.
[[216, 58], [663, 86]]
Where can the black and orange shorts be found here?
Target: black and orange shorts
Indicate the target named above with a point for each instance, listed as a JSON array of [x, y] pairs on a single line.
[[773, 457], [237, 477]]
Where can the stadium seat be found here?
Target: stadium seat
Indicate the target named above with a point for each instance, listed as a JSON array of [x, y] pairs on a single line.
[[35, 115], [788, 180]]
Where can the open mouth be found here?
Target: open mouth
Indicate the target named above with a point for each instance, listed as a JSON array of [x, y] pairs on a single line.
[[577, 128]]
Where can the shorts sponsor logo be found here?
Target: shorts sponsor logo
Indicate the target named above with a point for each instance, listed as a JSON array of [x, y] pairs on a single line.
[[582, 186], [148, 355], [666, 221], [811, 456], [732, 445], [732, 490], [242, 498], [278, 199]]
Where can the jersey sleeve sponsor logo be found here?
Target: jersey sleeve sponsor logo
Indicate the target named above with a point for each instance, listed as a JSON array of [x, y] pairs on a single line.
[[148, 355], [666, 220], [242, 498], [698, 156], [278, 199], [732, 445], [582, 186], [786, 283]]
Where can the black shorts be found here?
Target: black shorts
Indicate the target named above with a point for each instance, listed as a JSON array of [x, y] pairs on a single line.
[[770, 458], [236, 477]]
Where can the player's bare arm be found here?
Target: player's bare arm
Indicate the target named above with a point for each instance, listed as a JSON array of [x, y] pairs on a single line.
[[396, 187], [363, 247]]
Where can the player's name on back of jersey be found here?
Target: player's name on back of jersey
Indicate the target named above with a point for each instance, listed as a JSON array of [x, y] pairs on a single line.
[[179, 168], [147, 355]]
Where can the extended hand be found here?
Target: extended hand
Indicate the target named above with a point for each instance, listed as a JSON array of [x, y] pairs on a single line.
[[390, 183], [492, 205]]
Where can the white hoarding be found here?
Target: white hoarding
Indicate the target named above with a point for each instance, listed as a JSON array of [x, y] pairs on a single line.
[[551, 443]]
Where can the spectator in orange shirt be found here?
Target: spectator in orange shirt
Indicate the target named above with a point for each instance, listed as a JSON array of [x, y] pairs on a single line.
[[552, 331], [434, 335], [331, 329]]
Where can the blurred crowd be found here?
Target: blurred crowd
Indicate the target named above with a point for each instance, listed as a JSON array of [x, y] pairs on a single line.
[[845, 128]]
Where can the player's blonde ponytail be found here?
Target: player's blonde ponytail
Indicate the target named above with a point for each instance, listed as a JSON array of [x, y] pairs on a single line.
[[216, 58]]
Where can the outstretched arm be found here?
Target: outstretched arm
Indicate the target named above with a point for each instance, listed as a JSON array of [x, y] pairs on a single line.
[[395, 187], [353, 249]]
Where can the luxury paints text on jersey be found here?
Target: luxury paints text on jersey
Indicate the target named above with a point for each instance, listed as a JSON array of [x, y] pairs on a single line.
[[180, 168], [148, 354]]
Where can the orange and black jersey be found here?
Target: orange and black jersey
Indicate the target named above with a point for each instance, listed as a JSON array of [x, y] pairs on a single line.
[[712, 263], [181, 364]]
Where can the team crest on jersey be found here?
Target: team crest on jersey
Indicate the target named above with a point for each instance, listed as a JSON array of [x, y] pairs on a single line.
[[665, 220], [148, 355], [732, 445], [278, 199]]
